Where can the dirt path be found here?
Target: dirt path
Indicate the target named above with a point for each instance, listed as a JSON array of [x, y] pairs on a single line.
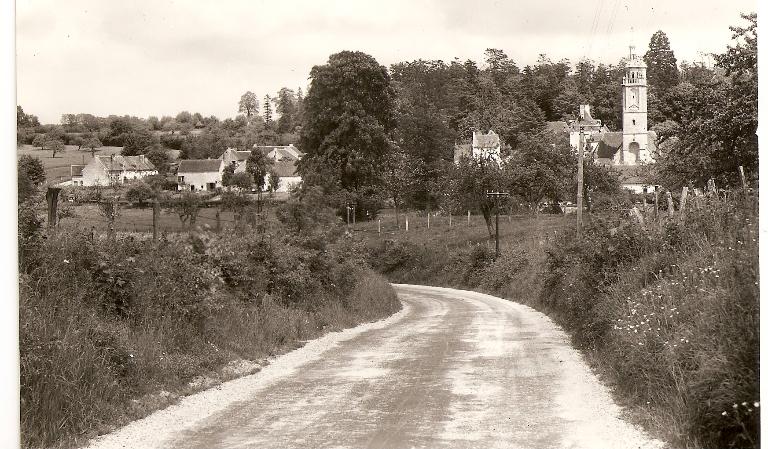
[[452, 369]]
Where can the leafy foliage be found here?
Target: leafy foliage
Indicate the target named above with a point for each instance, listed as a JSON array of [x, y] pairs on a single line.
[[348, 118]]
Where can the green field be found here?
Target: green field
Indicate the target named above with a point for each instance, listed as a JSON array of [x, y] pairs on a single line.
[[57, 168], [458, 231], [140, 220]]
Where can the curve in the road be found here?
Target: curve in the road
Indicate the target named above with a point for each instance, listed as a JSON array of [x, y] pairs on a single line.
[[452, 369]]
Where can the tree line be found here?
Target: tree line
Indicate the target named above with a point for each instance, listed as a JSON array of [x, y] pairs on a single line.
[[371, 133]]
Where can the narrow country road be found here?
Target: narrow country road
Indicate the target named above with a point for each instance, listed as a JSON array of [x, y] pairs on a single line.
[[453, 369]]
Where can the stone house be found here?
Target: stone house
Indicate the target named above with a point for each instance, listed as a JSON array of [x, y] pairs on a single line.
[[200, 174], [483, 146], [284, 160], [111, 170]]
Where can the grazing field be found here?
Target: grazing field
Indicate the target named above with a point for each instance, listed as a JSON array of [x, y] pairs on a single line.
[[140, 220], [57, 168], [457, 231]]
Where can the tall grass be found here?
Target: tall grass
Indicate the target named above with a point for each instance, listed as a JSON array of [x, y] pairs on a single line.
[[112, 329]]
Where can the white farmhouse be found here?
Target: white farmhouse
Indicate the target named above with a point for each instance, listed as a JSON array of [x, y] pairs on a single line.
[[284, 160], [111, 170], [200, 174], [483, 146]]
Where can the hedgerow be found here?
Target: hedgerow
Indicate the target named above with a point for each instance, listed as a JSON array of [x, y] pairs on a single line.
[[108, 323]]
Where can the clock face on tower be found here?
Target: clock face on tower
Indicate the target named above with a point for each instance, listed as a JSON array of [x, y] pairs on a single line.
[[633, 98]]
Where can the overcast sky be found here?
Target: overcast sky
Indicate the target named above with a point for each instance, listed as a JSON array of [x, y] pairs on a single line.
[[159, 57]]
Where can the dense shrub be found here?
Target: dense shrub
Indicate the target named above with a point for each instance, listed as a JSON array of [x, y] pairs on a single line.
[[106, 322]]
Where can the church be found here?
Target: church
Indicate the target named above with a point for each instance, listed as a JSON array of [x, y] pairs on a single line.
[[632, 148]]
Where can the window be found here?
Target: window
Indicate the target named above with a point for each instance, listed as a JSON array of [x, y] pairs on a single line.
[[633, 122], [181, 179]]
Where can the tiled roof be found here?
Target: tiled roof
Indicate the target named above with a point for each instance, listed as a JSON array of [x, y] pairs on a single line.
[[480, 140], [200, 165], [608, 143], [557, 127], [282, 152], [76, 170], [122, 163], [242, 155], [284, 169]]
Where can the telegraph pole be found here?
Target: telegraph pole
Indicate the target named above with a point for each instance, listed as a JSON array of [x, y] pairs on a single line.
[[580, 188], [496, 197]]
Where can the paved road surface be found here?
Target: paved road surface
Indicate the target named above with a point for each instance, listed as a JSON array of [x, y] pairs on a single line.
[[453, 369]]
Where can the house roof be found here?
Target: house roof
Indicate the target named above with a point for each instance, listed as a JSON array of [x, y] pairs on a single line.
[[490, 140], [200, 165], [284, 169], [76, 170], [286, 152], [242, 155], [557, 127], [608, 144], [122, 163]]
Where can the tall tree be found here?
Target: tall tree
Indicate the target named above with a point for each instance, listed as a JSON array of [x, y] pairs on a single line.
[[267, 109], [714, 125], [249, 104], [662, 64], [348, 118], [285, 105]]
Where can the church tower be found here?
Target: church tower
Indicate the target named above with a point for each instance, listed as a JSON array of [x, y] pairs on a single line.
[[635, 112]]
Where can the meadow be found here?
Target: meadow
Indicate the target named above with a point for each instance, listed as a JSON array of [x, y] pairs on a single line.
[[57, 169]]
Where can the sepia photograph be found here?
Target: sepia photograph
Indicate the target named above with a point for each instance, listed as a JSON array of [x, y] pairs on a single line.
[[382, 224]]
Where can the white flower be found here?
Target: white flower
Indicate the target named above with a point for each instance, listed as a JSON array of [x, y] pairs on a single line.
[[724, 413], [756, 404], [66, 261]]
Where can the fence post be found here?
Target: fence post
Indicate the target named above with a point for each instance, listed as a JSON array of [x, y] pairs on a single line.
[[379, 225], [52, 197], [670, 205], [218, 220], [406, 222], [468, 215], [639, 217], [155, 218], [683, 200], [743, 178], [427, 220], [656, 204], [450, 219]]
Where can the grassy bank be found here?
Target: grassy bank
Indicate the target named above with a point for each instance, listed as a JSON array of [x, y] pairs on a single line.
[[667, 314], [113, 329]]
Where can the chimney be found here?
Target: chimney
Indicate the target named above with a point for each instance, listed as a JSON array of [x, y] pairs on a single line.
[[584, 112]]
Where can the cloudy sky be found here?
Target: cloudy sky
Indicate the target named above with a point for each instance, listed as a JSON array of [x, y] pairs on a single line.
[[159, 57]]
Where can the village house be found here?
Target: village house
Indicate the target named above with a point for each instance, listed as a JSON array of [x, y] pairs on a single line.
[[111, 170], [483, 146], [200, 174], [284, 160]]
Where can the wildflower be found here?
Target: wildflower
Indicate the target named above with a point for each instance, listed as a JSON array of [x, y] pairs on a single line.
[[735, 405], [756, 404], [744, 404], [724, 413], [66, 261]]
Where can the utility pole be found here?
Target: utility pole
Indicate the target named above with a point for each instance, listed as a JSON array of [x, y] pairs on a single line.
[[580, 188], [496, 197]]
